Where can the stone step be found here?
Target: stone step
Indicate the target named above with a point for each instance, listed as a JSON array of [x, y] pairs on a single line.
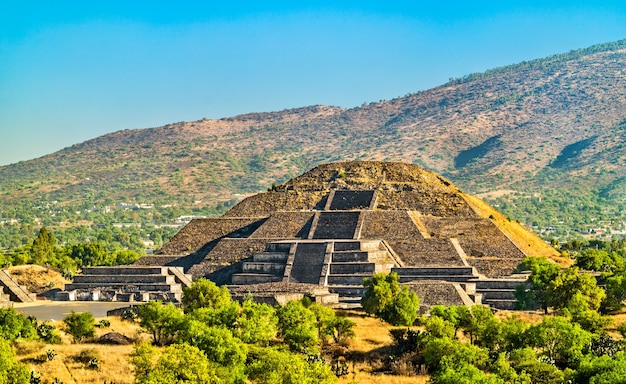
[[350, 256], [270, 257], [488, 294], [347, 290], [263, 267], [450, 278], [125, 270], [356, 245], [350, 279], [498, 284], [359, 256], [350, 268], [125, 287], [500, 303], [351, 199], [254, 278], [346, 246], [124, 279], [434, 271], [277, 247]]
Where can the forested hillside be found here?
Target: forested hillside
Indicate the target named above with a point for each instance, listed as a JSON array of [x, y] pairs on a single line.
[[542, 140]]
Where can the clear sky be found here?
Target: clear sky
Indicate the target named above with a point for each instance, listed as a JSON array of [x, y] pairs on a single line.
[[74, 70]]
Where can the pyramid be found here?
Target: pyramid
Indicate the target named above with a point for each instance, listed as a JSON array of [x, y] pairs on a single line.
[[341, 222], [321, 233]]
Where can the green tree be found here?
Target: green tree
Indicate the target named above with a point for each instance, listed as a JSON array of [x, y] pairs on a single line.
[[163, 321], [88, 254], [297, 326], [602, 370], [437, 327], [343, 329], [80, 325], [219, 345], [599, 260], [465, 374], [589, 319], [11, 371], [43, 247], [15, 325], [274, 366], [570, 282], [386, 299], [203, 293], [257, 323], [124, 257], [615, 292], [444, 352], [542, 273], [526, 362], [480, 317], [178, 364], [561, 341], [458, 315]]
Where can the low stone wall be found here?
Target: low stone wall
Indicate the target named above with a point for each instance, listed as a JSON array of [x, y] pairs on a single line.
[[157, 260]]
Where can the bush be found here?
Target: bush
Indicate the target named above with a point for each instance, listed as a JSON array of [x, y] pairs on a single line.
[[11, 371], [386, 299], [298, 326], [14, 325], [80, 325], [48, 333]]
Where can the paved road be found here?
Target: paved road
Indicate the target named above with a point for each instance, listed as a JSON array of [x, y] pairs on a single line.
[[57, 310]]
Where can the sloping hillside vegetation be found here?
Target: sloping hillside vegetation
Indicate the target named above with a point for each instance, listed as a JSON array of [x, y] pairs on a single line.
[[541, 140]]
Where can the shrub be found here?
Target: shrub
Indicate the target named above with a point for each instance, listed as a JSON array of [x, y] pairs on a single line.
[[80, 325], [386, 299]]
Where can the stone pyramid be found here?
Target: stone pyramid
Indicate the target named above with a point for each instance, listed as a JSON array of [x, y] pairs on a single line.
[[321, 233]]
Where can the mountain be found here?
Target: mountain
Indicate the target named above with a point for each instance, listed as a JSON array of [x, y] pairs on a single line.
[[542, 140]]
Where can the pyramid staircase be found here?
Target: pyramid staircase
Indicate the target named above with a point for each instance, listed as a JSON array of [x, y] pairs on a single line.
[[351, 262], [338, 265], [265, 267]]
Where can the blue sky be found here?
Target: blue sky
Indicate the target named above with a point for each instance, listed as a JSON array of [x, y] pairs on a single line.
[[72, 71]]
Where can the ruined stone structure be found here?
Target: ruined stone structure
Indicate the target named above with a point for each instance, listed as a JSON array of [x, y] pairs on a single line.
[[321, 233], [11, 291]]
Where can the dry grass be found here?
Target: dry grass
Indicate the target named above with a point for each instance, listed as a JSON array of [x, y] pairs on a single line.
[[114, 360], [113, 367], [37, 278], [368, 352]]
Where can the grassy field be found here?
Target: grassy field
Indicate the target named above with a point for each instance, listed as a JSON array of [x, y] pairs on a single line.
[[114, 366]]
